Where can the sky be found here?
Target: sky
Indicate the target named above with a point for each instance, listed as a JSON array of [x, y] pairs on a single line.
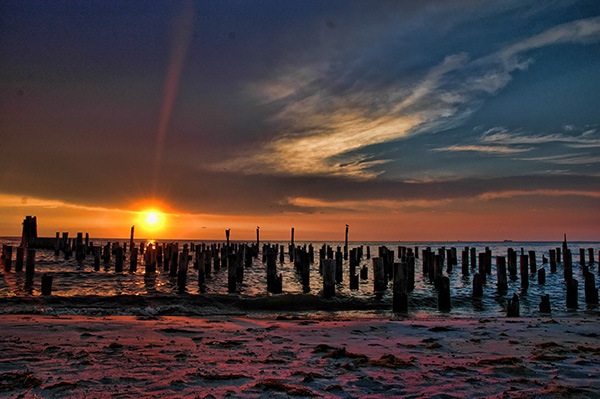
[[431, 120]]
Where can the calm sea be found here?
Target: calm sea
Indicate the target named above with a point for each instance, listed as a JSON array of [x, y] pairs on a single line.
[[81, 289]]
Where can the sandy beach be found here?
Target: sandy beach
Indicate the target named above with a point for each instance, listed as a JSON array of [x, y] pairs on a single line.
[[171, 356]]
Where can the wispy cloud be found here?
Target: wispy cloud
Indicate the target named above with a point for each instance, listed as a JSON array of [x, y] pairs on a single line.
[[324, 121], [492, 195], [487, 149]]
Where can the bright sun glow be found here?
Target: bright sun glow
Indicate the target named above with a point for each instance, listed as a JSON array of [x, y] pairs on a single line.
[[152, 220]]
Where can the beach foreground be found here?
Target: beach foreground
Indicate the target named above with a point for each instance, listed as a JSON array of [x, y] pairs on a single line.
[[169, 356]]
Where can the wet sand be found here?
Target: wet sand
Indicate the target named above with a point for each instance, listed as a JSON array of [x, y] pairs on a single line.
[[171, 356]]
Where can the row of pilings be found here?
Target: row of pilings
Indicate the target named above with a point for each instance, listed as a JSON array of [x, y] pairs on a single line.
[[386, 270]]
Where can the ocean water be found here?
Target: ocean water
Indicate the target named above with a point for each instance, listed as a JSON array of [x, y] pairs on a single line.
[[80, 289]]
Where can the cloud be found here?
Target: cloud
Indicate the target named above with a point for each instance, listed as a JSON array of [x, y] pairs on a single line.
[[483, 148], [327, 121]]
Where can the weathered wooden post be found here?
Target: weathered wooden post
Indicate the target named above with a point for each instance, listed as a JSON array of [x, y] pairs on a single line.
[[477, 286], [227, 234], [542, 276], [96, 253], [591, 256], [173, 263], [501, 273], [339, 271], [20, 258], [292, 239], [379, 282], [512, 263], [7, 251], [444, 303], [79, 249], [30, 262], [532, 262], [201, 276], [182, 271], [354, 263], [545, 304], [582, 256], [513, 308], [591, 292], [274, 281], [131, 239], [346, 245], [523, 263], [329, 266], [368, 252], [400, 295], [119, 259], [482, 262], [46, 284], [133, 260], [572, 293], [552, 260], [568, 265], [106, 253], [231, 273], [473, 257], [465, 262]]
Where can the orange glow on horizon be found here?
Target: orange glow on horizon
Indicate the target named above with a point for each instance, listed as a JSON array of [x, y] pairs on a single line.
[[492, 220]]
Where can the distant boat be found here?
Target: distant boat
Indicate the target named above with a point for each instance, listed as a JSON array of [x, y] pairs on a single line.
[[508, 240]]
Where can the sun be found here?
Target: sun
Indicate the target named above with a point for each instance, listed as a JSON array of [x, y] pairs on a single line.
[[152, 220]]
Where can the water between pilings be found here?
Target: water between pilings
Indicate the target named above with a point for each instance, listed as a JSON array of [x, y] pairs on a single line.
[[81, 289]]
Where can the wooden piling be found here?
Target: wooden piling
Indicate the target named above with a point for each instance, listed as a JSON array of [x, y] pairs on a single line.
[[46, 284], [400, 294], [572, 293], [96, 253], [591, 292], [552, 253], [346, 245], [513, 308], [542, 276], [567, 265], [329, 266], [182, 271], [444, 303], [477, 286], [231, 273], [532, 262], [523, 264], [545, 304], [133, 260], [465, 262], [131, 245], [20, 258], [7, 251], [501, 273], [582, 256], [30, 262], [379, 281], [512, 263], [118, 259], [482, 262]]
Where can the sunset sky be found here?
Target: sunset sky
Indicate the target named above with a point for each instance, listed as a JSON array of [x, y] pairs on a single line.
[[407, 120]]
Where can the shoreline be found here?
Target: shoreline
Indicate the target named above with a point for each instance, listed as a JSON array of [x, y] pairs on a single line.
[[241, 356]]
